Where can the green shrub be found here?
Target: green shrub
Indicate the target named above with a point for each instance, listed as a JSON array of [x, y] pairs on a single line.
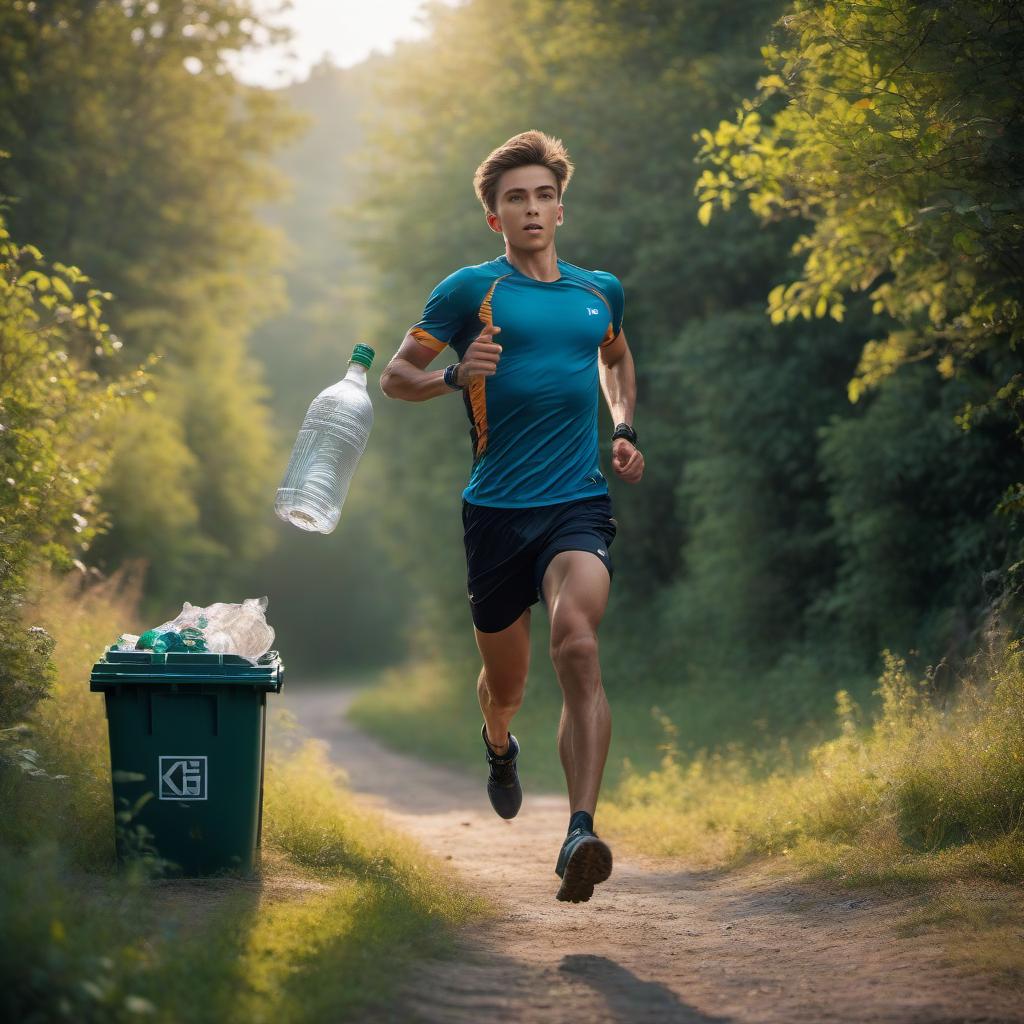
[[55, 433]]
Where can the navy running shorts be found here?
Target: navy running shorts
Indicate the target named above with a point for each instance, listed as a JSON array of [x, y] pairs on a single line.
[[508, 551]]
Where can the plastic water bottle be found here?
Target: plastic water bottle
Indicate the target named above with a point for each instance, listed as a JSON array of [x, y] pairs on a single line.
[[327, 450]]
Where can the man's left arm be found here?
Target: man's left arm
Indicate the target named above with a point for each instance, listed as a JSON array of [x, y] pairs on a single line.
[[618, 382]]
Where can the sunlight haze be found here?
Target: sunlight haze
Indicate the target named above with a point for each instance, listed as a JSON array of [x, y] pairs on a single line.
[[343, 30]]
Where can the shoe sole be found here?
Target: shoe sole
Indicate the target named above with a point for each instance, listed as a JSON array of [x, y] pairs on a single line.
[[589, 865]]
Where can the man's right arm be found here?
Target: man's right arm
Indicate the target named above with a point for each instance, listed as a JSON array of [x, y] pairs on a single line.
[[407, 377]]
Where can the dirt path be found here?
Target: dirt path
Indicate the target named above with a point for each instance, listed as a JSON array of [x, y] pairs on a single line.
[[654, 945]]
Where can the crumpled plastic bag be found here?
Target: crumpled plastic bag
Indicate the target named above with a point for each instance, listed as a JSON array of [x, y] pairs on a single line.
[[221, 628]]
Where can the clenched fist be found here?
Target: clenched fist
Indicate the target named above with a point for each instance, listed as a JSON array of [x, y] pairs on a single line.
[[481, 358], [627, 461]]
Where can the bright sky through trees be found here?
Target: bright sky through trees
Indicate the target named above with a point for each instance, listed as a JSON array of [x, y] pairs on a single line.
[[346, 31]]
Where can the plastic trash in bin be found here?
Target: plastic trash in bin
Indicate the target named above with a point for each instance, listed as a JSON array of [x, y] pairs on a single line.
[[221, 628]]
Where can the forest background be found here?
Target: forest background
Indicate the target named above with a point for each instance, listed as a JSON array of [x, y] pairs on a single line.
[[814, 209]]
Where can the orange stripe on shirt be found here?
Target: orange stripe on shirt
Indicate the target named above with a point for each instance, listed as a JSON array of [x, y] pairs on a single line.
[[478, 386], [427, 339], [478, 403], [485, 314]]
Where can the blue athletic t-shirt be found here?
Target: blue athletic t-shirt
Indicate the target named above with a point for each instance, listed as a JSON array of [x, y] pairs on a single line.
[[534, 423]]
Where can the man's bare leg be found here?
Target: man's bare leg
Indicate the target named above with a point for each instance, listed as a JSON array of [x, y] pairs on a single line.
[[506, 661], [576, 587]]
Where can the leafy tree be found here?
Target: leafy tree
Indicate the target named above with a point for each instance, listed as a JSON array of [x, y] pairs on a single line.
[[911, 498], [895, 128], [57, 415], [760, 548], [134, 152]]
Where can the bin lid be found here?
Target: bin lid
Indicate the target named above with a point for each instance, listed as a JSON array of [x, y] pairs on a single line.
[[138, 668]]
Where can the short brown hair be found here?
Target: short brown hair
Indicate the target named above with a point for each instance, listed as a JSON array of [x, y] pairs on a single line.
[[521, 150]]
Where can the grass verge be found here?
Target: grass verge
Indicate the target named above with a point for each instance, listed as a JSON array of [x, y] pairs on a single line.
[[429, 708], [340, 907], [926, 791]]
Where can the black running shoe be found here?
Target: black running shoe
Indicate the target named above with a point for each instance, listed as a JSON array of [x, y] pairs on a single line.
[[503, 781], [583, 862]]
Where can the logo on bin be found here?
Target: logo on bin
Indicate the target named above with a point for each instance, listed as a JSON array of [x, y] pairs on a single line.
[[182, 778]]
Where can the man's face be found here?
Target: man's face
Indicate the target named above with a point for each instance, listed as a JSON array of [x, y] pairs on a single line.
[[528, 209]]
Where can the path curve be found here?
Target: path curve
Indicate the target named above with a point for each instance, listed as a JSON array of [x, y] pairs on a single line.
[[654, 945]]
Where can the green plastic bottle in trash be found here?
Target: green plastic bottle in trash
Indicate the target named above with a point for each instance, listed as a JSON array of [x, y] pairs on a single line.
[[187, 738], [189, 638]]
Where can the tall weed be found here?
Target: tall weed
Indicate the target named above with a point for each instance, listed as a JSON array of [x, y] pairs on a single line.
[[925, 790], [67, 731]]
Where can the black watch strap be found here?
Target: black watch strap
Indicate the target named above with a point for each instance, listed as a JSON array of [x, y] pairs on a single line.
[[451, 376], [626, 431]]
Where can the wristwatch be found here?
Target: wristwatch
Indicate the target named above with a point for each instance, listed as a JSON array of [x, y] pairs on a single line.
[[626, 431], [451, 376]]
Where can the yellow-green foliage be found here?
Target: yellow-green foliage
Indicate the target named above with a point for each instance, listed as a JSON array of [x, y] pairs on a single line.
[[57, 406], [340, 905], [892, 144], [924, 792]]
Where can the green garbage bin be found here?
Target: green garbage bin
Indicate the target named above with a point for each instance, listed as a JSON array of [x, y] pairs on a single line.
[[187, 736]]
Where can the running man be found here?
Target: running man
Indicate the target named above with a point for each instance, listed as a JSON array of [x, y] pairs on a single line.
[[534, 337]]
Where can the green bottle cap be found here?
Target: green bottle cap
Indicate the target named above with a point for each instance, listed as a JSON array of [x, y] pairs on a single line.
[[363, 355]]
